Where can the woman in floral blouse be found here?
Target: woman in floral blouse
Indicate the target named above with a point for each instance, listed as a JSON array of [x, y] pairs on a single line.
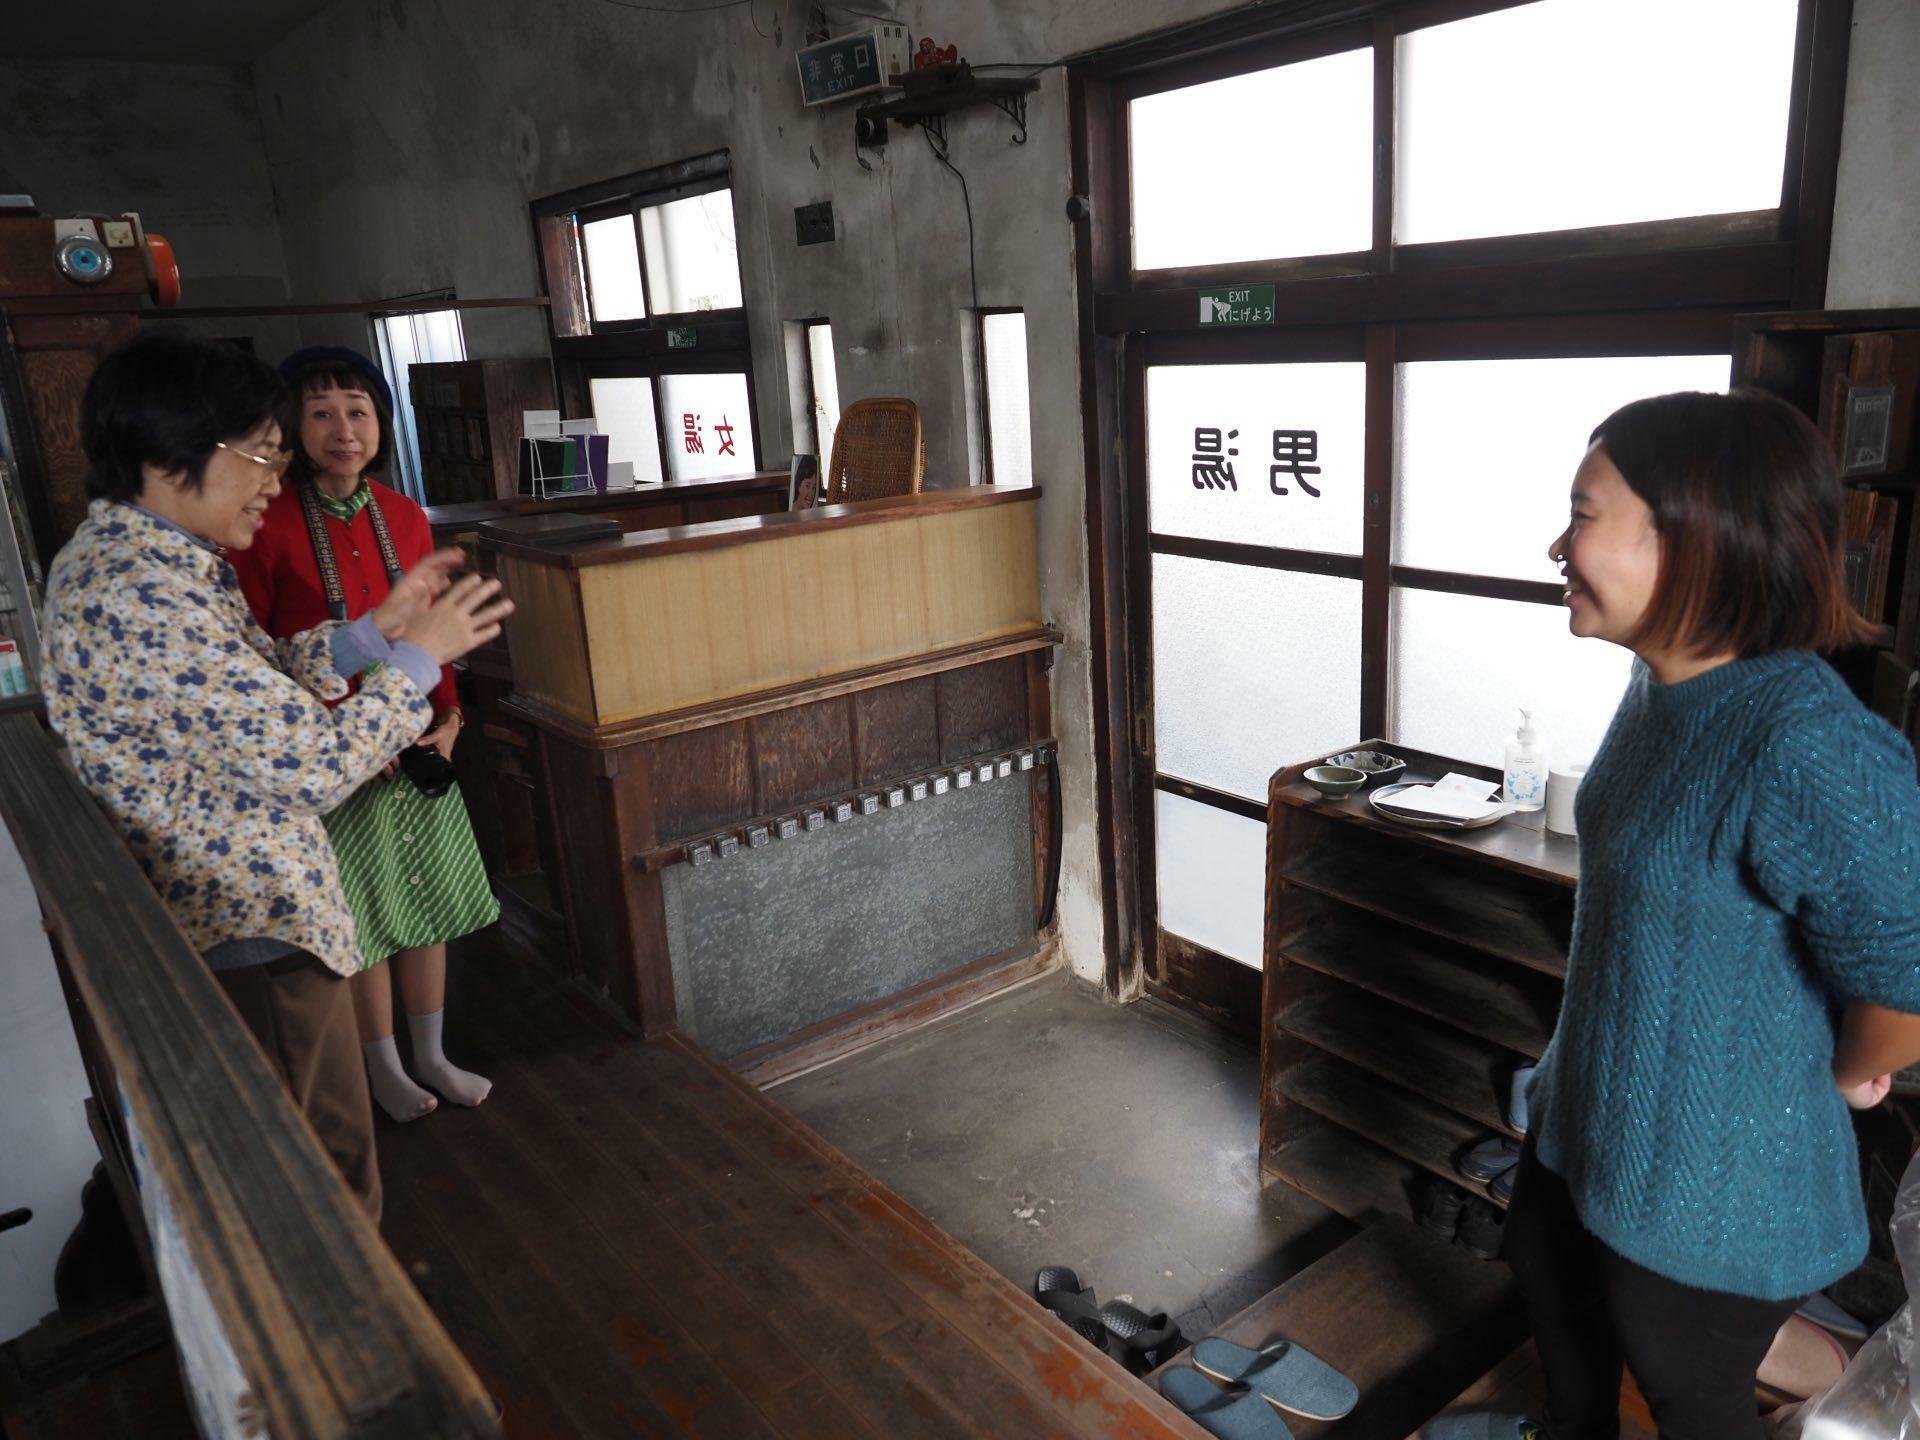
[[208, 744]]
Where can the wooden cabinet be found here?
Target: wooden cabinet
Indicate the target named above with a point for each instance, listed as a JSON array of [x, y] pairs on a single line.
[[468, 414], [1408, 973]]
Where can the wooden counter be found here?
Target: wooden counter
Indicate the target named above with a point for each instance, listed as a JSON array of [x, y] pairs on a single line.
[[676, 502], [610, 631], [742, 688]]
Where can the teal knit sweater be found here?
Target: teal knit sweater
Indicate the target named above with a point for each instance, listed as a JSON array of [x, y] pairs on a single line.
[[1748, 864]]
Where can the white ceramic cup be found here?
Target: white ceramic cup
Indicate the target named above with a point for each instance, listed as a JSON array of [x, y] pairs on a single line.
[[1562, 786]]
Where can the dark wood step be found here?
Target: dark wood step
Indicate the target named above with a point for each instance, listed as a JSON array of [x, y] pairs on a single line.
[[1452, 983], [1410, 1320], [659, 1224], [1461, 1072]]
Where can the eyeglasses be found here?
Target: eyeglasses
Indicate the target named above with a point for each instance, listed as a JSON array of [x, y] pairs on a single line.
[[275, 465]]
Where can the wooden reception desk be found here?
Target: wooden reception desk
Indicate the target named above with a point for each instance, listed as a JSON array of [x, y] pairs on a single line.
[[718, 698]]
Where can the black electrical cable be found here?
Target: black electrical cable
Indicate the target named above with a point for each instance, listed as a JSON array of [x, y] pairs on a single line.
[[1056, 822], [973, 283]]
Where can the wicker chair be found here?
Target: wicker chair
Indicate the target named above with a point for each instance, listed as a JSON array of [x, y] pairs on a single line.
[[877, 451]]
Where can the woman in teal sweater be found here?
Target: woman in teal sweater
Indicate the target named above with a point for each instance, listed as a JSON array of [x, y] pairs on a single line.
[[1746, 946]]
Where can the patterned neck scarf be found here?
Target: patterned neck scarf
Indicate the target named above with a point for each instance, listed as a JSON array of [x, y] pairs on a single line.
[[344, 510]]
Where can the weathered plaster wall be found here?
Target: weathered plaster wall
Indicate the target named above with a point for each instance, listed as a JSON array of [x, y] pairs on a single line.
[[406, 137], [1876, 221], [180, 144]]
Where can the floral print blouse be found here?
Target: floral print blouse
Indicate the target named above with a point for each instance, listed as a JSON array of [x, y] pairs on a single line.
[[207, 742]]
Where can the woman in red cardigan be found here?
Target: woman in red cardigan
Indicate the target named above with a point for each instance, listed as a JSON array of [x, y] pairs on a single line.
[[331, 546]]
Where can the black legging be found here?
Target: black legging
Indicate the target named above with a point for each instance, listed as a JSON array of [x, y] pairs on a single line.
[[1692, 1352]]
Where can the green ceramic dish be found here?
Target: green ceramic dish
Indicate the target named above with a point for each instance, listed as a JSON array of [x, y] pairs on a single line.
[[1335, 779]]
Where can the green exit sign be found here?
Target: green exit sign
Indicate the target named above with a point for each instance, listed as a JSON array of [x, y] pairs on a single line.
[[682, 338], [840, 68], [1237, 305]]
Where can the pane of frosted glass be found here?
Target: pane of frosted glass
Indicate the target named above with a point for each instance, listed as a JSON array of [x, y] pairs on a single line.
[[624, 407], [1463, 667], [1004, 338], [1252, 670], [440, 336], [1213, 435], [613, 269], [1567, 113], [826, 388], [1213, 867], [692, 261], [709, 430], [1274, 163], [1487, 451]]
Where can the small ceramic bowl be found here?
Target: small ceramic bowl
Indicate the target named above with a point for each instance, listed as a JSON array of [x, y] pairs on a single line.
[[1379, 767], [1335, 779]]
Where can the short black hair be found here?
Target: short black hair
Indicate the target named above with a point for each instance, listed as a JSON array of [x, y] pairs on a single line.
[[167, 399], [1746, 500], [317, 379]]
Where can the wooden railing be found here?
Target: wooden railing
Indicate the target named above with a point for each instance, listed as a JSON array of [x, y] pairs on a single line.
[[291, 1318]]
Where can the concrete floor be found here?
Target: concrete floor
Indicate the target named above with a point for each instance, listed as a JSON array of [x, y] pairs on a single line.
[[1049, 1127]]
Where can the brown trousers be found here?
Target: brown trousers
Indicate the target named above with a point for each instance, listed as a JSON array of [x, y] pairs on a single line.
[[302, 1015]]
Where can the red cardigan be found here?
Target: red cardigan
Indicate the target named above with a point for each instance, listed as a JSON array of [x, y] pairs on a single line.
[[281, 579]]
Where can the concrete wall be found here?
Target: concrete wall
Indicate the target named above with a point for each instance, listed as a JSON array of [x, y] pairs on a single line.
[[180, 144], [406, 138], [1876, 221]]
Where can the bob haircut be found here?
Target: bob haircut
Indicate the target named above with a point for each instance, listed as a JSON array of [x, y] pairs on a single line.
[[330, 375], [167, 399], [1746, 500]]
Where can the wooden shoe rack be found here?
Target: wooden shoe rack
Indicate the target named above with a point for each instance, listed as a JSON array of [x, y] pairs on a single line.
[[1408, 972]]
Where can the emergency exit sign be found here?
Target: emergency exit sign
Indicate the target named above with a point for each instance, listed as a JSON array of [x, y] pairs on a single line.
[[1237, 305], [838, 68]]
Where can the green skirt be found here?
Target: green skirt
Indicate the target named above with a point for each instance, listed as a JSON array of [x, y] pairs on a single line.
[[411, 870]]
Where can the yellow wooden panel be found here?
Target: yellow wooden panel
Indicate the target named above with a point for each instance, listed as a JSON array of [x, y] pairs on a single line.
[[698, 626], [545, 637]]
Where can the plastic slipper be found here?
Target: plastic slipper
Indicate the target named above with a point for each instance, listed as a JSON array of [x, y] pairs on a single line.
[[1292, 1378], [1059, 1289], [1142, 1342], [1232, 1415], [1489, 1158], [1482, 1426], [1517, 1098], [1822, 1311]]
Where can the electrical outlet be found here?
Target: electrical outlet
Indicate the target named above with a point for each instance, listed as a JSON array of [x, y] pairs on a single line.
[[813, 224]]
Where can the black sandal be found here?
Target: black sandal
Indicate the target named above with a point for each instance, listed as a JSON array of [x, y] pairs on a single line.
[[1059, 1289], [1140, 1341]]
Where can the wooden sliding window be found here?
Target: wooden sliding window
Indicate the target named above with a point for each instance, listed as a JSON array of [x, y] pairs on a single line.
[[1354, 293], [650, 332]]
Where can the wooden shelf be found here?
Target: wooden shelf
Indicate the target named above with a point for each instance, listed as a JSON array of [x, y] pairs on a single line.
[[1348, 1174], [1447, 982], [1408, 1125], [1458, 1072], [967, 89], [1422, 889]]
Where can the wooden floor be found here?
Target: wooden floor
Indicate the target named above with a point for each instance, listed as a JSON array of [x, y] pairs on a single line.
[[628, 1240]]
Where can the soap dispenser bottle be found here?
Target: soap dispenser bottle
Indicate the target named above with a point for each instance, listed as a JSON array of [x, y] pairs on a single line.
[[1525, 784]]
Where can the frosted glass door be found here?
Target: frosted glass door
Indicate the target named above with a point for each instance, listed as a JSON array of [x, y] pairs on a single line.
[[1255, 652]]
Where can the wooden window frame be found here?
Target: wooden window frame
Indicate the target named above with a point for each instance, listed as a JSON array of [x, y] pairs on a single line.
[[585, 350], [1670, 286]]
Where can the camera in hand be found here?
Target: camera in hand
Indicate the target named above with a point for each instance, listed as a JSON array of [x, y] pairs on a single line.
[[431, 772]]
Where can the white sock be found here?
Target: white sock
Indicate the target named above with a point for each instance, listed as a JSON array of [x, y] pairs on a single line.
[[430, 1063], [398, 1096]]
